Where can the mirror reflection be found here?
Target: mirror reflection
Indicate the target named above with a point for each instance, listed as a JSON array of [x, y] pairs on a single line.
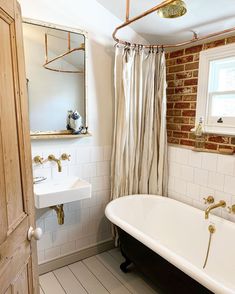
[[55, 70]]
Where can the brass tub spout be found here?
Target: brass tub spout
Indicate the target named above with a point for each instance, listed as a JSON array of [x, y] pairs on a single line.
[[58, 161], [222, 203]]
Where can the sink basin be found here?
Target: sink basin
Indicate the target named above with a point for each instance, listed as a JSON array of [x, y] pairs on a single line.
[[55, 192]]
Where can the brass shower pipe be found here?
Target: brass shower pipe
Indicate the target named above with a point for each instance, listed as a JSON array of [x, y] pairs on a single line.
[[149, 11], [47, 61]]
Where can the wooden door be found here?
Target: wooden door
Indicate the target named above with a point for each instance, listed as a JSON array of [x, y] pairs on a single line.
[[18, 260]]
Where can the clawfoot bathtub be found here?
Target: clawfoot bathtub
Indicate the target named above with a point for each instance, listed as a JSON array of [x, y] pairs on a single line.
[[166, 231]]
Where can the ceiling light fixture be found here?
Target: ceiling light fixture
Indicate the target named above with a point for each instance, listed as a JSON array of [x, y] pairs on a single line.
[[173, 10]]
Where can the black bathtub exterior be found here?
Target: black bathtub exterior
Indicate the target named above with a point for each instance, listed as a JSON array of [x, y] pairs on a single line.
[[166, 277]]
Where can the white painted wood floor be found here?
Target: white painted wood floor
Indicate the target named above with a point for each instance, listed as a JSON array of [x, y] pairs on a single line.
[[98, 274]]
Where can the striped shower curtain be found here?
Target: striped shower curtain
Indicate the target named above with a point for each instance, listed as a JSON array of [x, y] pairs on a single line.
[[139, 156]]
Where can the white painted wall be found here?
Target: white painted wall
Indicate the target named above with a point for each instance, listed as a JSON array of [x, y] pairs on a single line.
[[85, 223], [195, 175]]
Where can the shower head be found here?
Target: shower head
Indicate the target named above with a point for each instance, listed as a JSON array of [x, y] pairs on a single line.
[[175, 9]]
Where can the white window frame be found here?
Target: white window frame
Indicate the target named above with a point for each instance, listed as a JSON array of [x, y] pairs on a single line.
[[203, 101]]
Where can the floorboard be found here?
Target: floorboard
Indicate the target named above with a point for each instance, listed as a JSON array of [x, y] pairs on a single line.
[[87, 279], [50, 284], [111, 283], [68, 281], [131, 280], [99, 274]]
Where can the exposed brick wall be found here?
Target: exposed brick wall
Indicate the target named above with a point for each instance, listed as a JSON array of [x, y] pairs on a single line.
[[182, 80]]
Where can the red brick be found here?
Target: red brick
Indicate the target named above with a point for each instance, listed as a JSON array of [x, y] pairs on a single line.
[[170, 91], [189, 97], [211, 146], [180, 135], [182, 105], [187, 142], [169, 133], [195, 73], [214, 44], [226, 147], [176, 83], [193, 65], [196, 57], [170, 77], [170, 84], [174, 112], [233, 140], [191, 136], [189, 113], [169, 119], [193, 105], [181, 120], [170, 105], [230, 40], [218, 139], [173, 141], [174, 127], [177, 53], [191, 82], [170, 62], [186, 128], [185, 90], [184, 59], [176, 68], [174, 98], [184, 75], [193, 49], [192, 120]]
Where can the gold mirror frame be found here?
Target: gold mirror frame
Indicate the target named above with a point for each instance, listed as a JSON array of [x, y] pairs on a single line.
[[63, 134]]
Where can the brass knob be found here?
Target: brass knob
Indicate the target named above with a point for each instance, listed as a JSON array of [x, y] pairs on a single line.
[[231, 209], [38, 159], [65, 156], [209, 200], [51, 157]]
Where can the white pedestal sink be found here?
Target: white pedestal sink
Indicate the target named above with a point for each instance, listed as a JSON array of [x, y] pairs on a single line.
[[54, 192]]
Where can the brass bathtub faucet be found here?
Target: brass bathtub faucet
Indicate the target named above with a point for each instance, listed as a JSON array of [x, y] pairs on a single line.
[[52, 157], [221, 203]]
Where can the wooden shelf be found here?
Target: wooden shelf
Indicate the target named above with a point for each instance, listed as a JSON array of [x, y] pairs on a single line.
[[57, 136]]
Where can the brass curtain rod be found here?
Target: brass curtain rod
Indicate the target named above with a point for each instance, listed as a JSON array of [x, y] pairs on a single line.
[[48, 62], [155, 8]]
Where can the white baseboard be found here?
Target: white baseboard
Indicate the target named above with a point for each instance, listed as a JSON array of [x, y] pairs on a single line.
[[75, 256]]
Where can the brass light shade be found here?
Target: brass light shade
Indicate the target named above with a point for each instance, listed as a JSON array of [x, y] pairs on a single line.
[[173, 10]]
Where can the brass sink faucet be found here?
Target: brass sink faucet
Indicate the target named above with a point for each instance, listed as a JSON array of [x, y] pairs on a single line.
[[52, 157], [221, 203]]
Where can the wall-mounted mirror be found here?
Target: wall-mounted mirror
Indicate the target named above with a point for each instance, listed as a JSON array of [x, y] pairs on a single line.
[[56, 80]]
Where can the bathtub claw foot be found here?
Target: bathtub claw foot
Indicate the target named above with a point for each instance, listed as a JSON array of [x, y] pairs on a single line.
[[124, 266]]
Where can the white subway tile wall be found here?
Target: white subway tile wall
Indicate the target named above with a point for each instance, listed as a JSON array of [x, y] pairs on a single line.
[[196, 175], [85, 222]]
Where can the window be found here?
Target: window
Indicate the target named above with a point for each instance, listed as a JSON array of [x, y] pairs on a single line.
[[216, 90]]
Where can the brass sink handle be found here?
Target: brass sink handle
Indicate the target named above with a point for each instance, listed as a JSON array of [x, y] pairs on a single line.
[[52, 157], [231, 209], [38, 159], [65, 156], [209, 200]]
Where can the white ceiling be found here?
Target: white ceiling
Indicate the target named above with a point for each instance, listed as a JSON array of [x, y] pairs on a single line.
[[203, 16]]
